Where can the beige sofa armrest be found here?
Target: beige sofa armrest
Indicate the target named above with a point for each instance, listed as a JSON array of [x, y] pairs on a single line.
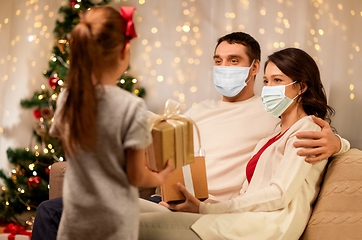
[[56, 178], [338, 211]]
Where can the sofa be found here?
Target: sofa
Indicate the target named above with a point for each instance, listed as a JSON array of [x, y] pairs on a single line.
[[337, 213]]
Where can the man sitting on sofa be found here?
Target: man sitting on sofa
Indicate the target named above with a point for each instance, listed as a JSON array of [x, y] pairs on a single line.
[[227, 136]]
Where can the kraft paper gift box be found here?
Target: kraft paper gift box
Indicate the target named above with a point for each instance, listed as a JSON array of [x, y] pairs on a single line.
[[172, 136], [192, 176]]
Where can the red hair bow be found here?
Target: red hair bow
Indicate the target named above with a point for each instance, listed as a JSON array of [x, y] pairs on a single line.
[[127, 13]]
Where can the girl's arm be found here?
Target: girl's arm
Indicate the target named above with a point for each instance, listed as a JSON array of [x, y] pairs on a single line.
[[138, 172]]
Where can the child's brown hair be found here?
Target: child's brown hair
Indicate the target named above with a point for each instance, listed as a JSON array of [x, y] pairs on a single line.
[[97, 41]]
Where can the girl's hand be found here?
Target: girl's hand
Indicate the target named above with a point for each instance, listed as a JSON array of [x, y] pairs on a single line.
[[138, 172], [165, 173], [190, 205]]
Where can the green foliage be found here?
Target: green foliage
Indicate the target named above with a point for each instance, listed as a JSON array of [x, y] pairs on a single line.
[[35, 101], [19, 191]]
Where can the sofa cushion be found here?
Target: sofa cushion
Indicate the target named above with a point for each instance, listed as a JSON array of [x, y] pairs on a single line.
[[338, 210], [56, 179]]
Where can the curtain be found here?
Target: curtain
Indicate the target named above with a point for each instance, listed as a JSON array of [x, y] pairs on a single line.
[[172, 57]]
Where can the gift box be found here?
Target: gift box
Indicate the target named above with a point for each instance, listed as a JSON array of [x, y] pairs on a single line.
[[172, 136], [192, 176], [14, 232], [8, 236]]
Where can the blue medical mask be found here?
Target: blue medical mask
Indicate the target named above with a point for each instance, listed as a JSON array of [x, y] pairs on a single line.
[[229, 81], [274, 100]]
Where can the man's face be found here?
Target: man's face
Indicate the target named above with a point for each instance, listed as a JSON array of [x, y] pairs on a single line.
[[233, 55]]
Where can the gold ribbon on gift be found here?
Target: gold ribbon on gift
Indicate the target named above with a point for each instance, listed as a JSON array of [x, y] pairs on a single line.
[[173, 117]]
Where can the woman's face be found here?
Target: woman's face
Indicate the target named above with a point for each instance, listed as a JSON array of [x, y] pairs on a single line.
[[274, 77]]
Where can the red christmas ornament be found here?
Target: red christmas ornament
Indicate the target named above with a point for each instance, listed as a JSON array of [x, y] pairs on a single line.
[[37, 113], [33, 182], [47, 170], [72, 3], [53, 82]]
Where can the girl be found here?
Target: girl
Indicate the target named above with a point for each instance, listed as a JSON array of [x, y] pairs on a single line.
[[276, 200], [104, 131]]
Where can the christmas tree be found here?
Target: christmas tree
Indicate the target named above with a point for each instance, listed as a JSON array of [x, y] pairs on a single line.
[[28, 184]]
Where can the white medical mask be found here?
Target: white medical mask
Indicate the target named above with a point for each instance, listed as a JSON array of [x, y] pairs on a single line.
[[274, 100], [229, 81]]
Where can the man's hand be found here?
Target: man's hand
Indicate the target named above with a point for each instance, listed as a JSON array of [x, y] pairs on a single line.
[[321, 145], [190, 205]]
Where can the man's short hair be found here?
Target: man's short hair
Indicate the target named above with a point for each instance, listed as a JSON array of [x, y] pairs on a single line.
[[252, 46]]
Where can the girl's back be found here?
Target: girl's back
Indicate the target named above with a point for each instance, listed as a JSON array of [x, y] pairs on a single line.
[[97, 196]]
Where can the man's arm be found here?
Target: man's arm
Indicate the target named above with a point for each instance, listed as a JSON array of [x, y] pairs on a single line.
[[321, 145]]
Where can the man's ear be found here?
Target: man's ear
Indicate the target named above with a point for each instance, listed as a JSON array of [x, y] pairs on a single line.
[[255, 67]]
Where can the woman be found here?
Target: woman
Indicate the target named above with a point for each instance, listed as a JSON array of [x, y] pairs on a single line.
[[276, 200]]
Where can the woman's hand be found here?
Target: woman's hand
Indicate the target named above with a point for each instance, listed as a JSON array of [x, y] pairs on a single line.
[[190, 205]]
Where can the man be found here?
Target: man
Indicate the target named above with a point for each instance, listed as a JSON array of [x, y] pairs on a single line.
[[230, 129]]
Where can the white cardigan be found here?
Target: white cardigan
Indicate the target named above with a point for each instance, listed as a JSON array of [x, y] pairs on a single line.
[[277, 202]]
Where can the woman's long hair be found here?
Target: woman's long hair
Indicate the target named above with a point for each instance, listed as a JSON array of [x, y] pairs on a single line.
[[300, 67], [97, 41]]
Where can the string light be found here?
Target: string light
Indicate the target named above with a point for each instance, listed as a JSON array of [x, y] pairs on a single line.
[[193, 89], [194, 42], [31, 166], [181, 97], [185, 28], [160, 78]]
